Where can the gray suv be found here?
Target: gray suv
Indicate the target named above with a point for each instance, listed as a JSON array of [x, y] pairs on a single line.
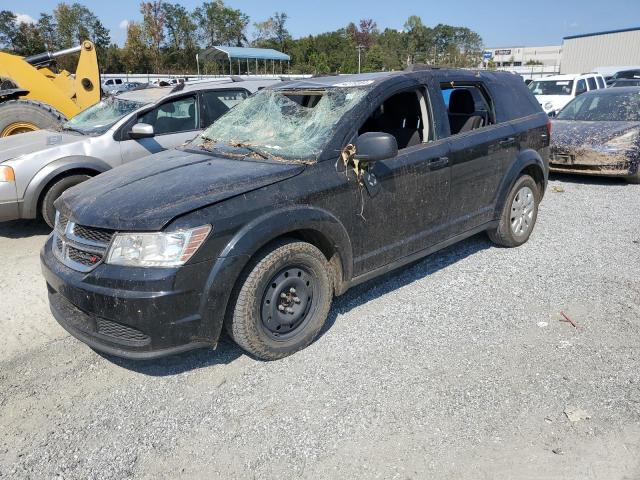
[[36, 167]]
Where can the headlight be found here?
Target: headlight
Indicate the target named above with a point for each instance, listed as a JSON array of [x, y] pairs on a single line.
[[548, 106], [626, 140], [160, 249], [7, 174]]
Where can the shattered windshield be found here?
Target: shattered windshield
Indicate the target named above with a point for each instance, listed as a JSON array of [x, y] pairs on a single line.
[[97, 119], [287, 124], [605, 107]]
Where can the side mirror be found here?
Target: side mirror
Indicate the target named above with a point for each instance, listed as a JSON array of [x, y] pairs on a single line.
[[374, 146], [552, 113], [141, 130]]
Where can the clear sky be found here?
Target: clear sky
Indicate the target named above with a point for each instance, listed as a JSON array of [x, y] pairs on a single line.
[[499, 22]]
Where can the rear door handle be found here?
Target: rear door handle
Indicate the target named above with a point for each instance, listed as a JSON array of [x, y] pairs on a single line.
[[507, 141], [439, 162]]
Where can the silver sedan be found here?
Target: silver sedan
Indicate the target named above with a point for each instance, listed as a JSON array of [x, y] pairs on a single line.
[[36, 167]]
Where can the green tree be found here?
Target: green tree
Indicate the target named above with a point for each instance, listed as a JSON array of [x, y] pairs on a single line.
[[221, 25], [8, 29], [27, 40], [153, 22], [273, 32], [135, 54], [48, 31]]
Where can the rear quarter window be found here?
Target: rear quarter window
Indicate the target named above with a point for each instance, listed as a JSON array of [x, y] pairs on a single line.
[[591, 81], [512, 99]]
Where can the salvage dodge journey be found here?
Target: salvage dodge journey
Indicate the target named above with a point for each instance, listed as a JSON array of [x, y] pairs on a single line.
[[295, 195]]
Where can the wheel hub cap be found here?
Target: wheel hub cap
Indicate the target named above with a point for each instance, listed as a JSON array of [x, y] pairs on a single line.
[[287, 301], [522, 210], [18, 127]]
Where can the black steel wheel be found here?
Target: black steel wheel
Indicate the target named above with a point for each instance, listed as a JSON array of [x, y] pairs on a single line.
[[282, 300]]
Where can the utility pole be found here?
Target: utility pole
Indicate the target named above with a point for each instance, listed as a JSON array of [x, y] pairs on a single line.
[[359, 48]]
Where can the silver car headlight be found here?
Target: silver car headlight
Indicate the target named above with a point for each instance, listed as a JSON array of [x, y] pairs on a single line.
[[158, 249]]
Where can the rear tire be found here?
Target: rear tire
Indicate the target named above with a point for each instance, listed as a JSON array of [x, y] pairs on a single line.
[[20, 116], [281, 301], [519, 214], [54, 191]]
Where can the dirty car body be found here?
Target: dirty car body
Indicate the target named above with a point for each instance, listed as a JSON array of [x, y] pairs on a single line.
[[598, 133], [276, 170], [100, 138]]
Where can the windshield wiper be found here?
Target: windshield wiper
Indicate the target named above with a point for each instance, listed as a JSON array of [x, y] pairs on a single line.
[[71, 129], [252, 149]]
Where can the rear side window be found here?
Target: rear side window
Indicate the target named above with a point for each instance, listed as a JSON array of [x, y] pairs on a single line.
[[600, 81], [469, 107], [218, 102], [592, 83]]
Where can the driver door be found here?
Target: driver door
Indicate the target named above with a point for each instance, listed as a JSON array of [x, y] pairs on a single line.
[[175, 122], [407, 211]]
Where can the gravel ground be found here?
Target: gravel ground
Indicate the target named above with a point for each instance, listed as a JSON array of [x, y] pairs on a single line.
[[456, 367]]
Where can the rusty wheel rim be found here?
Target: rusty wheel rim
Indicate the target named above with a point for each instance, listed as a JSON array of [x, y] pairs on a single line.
[[18, 127]]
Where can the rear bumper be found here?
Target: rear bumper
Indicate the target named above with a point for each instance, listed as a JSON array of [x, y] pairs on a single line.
[[128, 312]]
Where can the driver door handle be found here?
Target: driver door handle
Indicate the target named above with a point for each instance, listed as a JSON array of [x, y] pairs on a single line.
[[507, 141], [439, 162]]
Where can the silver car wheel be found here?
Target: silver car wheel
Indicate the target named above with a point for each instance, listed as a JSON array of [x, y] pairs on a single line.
[[522, 210]]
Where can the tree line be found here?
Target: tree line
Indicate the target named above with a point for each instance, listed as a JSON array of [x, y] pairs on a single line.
[[168, 36]]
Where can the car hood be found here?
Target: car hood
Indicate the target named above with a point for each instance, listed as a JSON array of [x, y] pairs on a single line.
[[147, 194], [573, 133], [30, 142], [558, 101]]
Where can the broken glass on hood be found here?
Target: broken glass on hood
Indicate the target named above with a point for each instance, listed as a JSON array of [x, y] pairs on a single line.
[[291, 125]]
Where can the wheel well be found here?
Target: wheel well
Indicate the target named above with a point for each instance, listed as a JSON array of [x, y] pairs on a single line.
[[535, 172], [66, 173]]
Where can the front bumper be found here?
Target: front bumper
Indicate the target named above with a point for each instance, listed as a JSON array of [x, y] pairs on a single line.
[[131, 312], [594, 162], [9, 205]]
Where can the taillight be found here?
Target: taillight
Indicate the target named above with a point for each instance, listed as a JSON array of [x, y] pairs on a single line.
[[549, 128]]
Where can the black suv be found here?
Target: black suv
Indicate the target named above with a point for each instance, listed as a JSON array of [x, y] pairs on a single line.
[[295, 195]]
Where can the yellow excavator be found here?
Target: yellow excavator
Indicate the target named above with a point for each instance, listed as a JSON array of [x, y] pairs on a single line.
[[33, 95]]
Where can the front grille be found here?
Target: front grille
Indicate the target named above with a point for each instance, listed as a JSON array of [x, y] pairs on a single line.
[[79, 247], [99, 235], [88, 259], [121, 332], [63, 220]]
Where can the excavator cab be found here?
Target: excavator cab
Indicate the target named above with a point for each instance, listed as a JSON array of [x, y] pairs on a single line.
[[34, 96]]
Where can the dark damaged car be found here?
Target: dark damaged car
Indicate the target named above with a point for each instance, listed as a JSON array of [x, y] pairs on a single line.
[[598, 133], [292, 197]]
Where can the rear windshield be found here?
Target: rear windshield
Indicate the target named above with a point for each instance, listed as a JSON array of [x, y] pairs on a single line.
[[551, 87], [603, 107]]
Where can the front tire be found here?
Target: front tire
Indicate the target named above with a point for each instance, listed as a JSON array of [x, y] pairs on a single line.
[[20, 116], [282, 300], [519, 214], [54, 191]]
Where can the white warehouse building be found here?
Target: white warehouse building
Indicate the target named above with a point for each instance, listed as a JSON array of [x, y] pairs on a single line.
[[584, 53], [521, 56]]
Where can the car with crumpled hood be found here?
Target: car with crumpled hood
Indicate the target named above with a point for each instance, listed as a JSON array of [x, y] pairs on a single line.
[[36, 167], [300, 192], [598, 133]]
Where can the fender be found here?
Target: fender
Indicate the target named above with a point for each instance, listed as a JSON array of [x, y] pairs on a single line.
[[250, 239], [52, 170], [525, 159]]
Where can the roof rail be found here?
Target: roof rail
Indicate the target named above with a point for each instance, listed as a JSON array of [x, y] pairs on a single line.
[[416, 67]]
